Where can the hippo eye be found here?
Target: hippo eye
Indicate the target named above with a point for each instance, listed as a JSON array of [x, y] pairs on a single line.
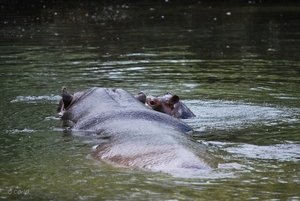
[[152, 102]]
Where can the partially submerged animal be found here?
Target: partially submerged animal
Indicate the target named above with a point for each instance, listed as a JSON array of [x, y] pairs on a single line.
[[170, 104], [137, 136]]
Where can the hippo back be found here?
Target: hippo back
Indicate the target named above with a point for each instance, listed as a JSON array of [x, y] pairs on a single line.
[[136, 136], [95, 105]]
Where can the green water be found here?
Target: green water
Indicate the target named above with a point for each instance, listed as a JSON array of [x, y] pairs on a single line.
[[236, 65]]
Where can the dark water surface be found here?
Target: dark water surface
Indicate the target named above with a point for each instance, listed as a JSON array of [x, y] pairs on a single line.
[[236, 65]]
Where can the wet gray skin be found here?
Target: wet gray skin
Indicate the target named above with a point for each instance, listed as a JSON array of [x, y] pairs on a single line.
[[137, 136]]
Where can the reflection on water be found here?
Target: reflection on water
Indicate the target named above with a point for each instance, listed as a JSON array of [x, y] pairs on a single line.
[[281, 152], [224, 115], [36, 99], [234, 64]]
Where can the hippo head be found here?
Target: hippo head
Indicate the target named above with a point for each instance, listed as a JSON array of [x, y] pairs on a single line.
[[169, 104], [164, 104]]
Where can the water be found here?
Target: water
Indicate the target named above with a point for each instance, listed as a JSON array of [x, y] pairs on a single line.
[[235, 65]]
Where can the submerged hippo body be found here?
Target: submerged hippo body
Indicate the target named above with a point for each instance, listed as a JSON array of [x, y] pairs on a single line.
[[171, 105], [137, 136]]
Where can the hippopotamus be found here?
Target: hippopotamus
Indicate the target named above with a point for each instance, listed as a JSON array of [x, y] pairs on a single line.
[[169, 104], [136, 136]]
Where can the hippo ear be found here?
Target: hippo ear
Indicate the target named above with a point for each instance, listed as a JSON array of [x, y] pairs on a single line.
[[66, 97], [141, 96], [173, 100]]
